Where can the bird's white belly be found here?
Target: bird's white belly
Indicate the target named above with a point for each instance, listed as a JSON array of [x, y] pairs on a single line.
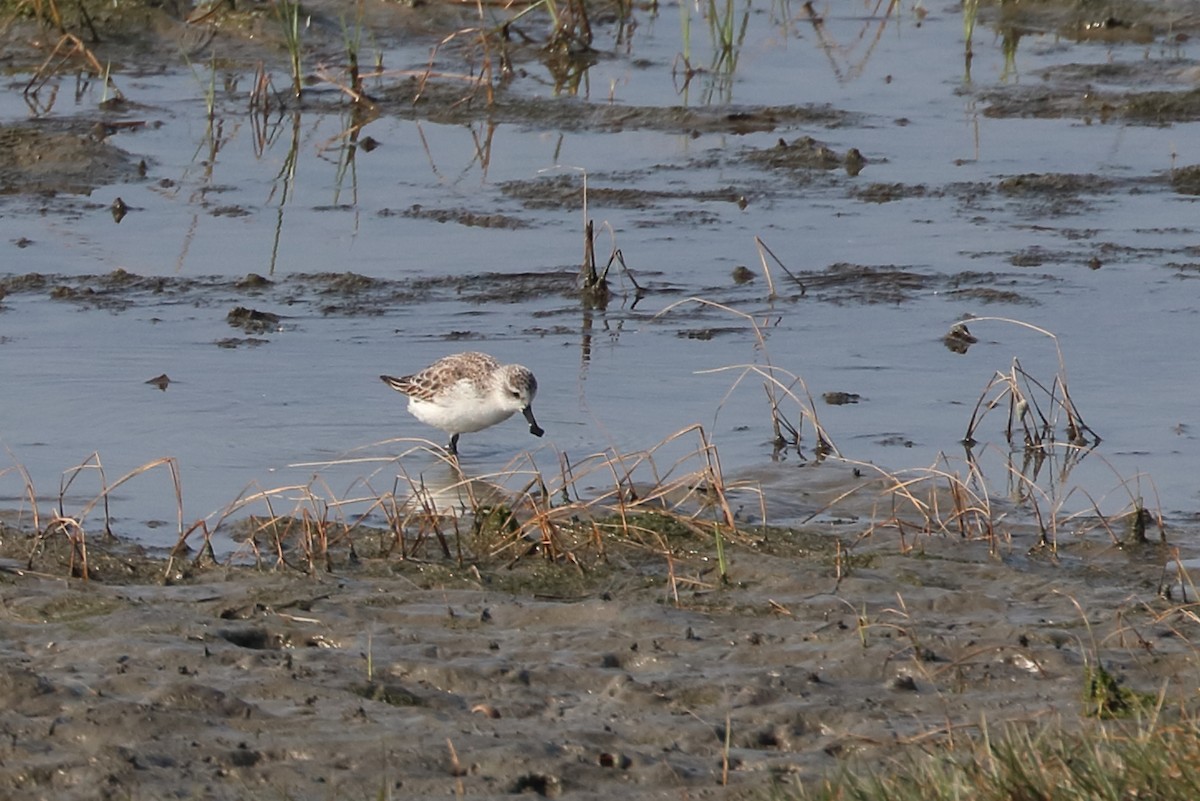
[[459, 410]]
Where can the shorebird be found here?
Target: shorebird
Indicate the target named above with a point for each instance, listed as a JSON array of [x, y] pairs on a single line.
[[468, 392]]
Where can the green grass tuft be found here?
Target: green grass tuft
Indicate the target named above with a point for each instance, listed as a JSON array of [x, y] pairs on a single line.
[[1102, 762]]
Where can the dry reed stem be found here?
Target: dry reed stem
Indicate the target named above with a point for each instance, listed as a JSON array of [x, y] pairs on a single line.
[[356, 96], [483, 79], [73, 525], [1011, 387], [1134, 495], [68, 46], [28, 492], [970, 514], [808, 408], [93, 463], [76, 537], [52, 15], [763, 252], [543, 512], [772, 383]]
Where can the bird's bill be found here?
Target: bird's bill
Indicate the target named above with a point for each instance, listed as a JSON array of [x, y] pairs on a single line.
[[534, 428]]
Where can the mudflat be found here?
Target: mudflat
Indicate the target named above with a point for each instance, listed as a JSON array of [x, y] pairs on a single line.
[[631, 674]]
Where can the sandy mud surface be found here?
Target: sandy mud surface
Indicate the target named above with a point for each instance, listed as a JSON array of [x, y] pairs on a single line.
[[627, 675]]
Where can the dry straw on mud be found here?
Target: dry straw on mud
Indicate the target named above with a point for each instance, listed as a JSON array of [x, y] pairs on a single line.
[[1035, 409], [574, 515], [73, 525], [69, 53], [481, 55], [577, 515]]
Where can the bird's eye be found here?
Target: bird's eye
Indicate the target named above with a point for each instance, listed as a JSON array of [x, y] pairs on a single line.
[[515, 394]]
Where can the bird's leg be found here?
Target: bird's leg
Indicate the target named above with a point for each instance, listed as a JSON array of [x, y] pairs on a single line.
[[453, 448]]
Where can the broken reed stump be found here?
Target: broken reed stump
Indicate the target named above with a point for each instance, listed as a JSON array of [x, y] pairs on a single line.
[[594, 286]]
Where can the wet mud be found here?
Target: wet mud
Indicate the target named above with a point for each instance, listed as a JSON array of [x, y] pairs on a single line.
[[1133, 91], [609, 674], [346, 294], [51, 158], [349, 295]]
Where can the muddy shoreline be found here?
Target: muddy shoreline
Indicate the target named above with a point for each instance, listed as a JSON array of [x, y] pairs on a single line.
[[582, 678]]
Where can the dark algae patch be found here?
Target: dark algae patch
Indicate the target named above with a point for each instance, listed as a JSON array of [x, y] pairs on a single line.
[[1186, 180], [253, 321], [463, 217], [806, 153]]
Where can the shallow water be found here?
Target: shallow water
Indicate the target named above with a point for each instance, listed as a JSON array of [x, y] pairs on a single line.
[[223, 202]]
